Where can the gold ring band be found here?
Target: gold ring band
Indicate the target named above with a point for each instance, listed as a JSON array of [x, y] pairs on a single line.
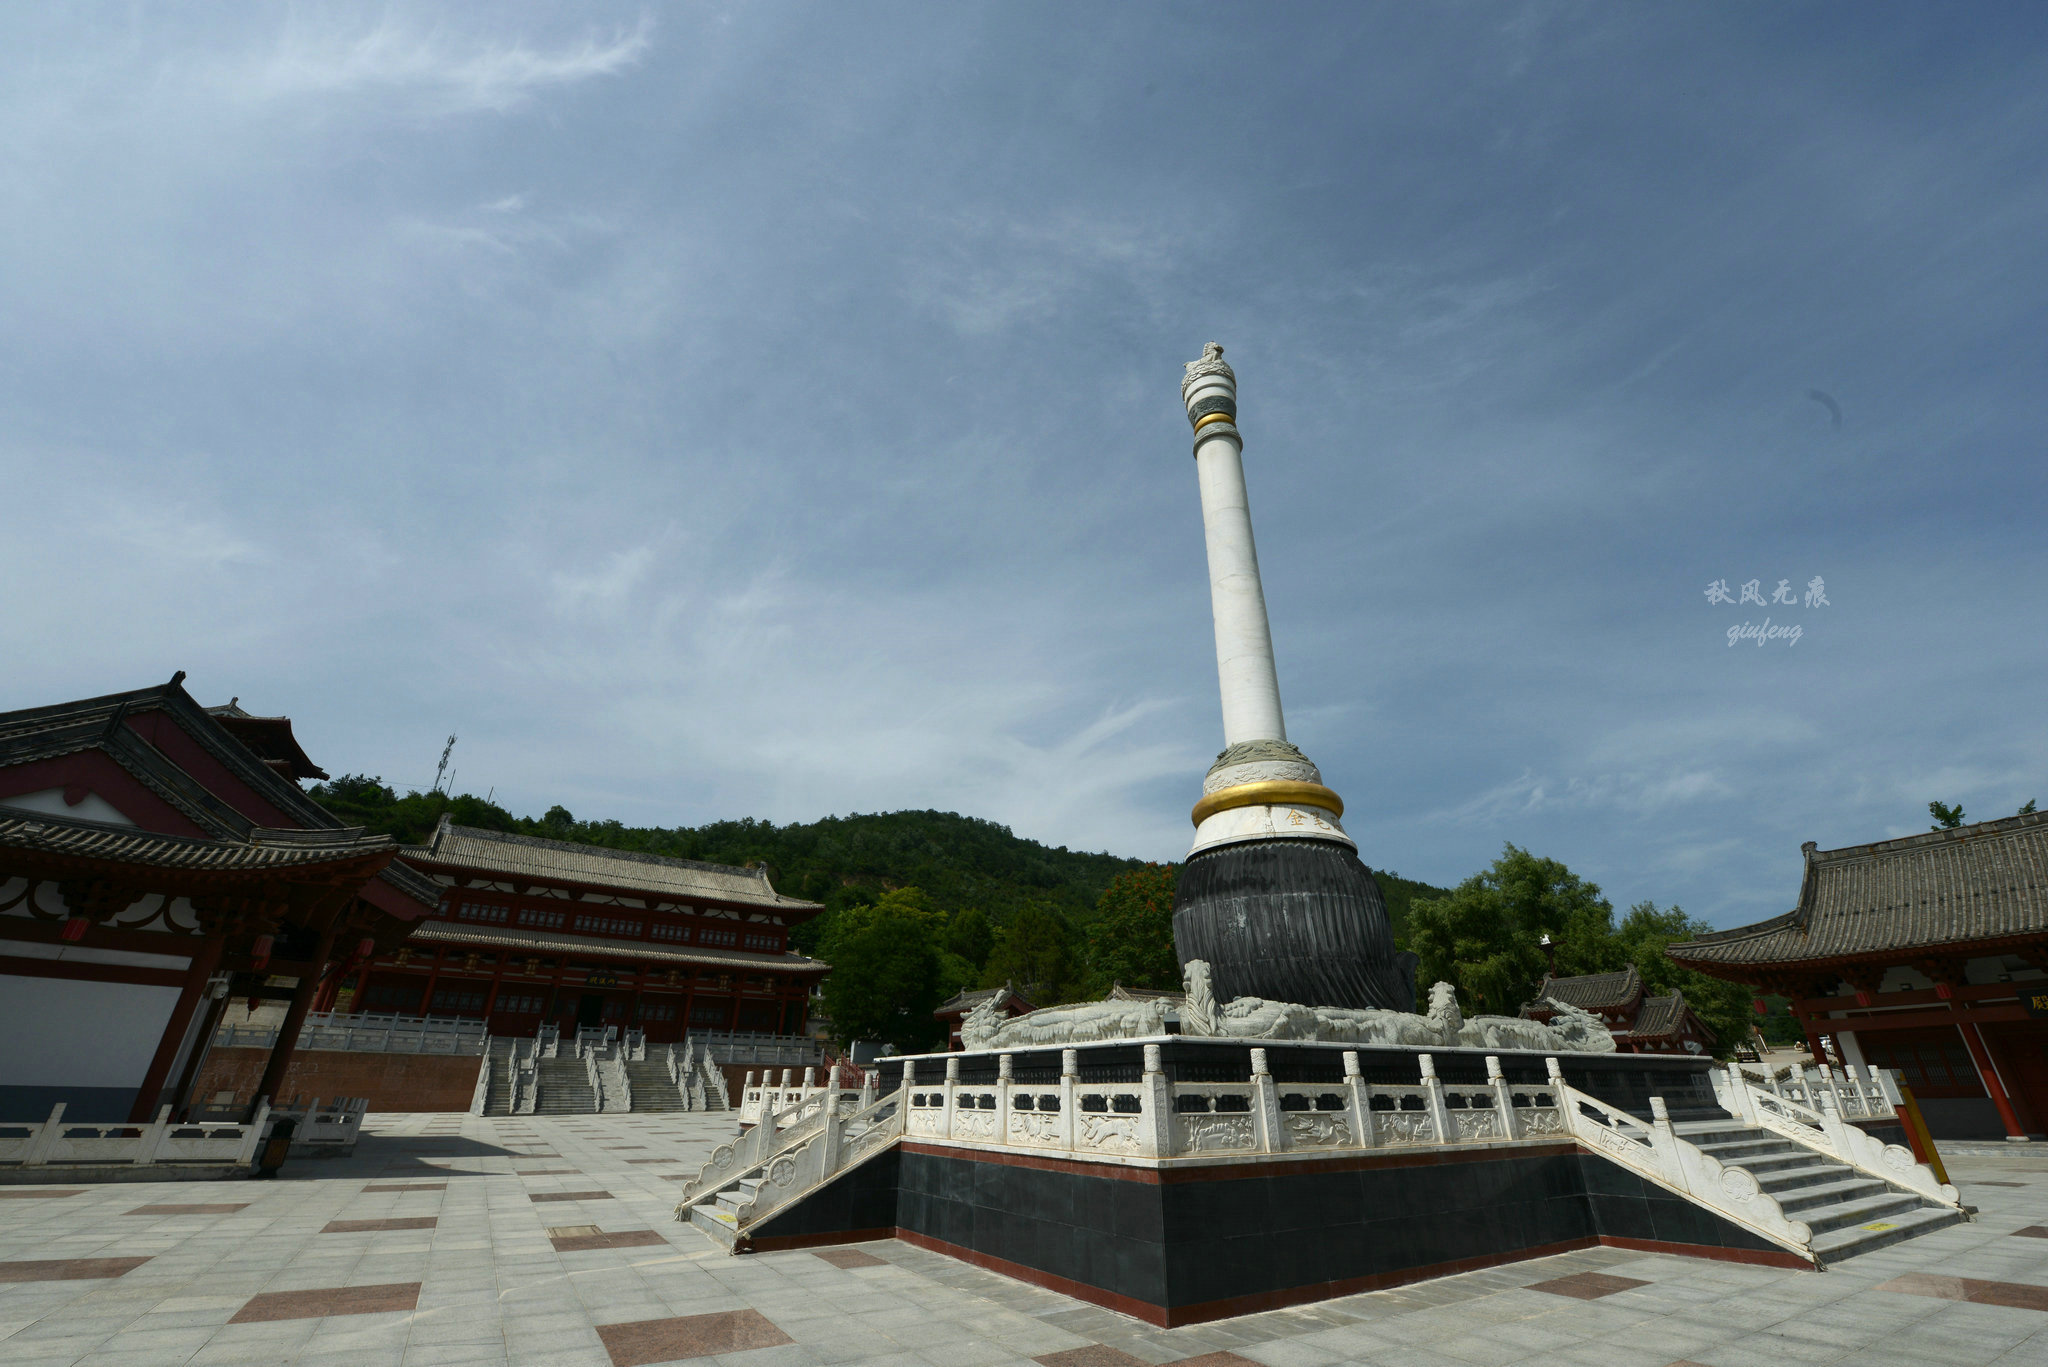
[[1276, 792], [1208, 418]]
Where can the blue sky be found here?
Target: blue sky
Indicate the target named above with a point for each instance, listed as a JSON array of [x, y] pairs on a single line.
[[773, 410]]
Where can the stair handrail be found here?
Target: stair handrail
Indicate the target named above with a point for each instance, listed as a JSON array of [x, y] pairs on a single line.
[[590, 1075], [1656, 1153], [774, 1135], [481, 1096], [802, 1161], [1824, 1130], [617, 1066], [714, 1083]]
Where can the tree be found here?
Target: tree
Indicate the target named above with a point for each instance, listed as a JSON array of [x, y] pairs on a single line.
[[1485, 937], [884, 982], [1727, 1008], [1946, 818], [1036, 952], [2027, 810], [969, 937], [1131, 941]]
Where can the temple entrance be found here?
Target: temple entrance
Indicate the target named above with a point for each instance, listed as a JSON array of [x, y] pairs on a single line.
[[590, 1011]]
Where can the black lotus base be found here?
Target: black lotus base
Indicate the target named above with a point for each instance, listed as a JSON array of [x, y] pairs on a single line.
[[1291, 921]]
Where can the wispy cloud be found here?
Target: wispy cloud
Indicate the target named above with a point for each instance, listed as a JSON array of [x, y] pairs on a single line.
[[449, 70]]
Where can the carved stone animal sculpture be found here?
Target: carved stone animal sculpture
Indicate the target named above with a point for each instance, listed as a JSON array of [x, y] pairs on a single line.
[[978, 1027], [1198, 1010], [1582, 1032], [1078, 1023]]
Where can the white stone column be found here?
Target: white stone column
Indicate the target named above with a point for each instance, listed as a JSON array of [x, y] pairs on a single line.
[[1262, 787], [1244, 639]]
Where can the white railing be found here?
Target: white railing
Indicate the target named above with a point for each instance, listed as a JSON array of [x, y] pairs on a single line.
[[1655, 1151], [798, 1150], [53, 1142], [1153, 1118], [749, 1047], [479, 1099], [1869, 1095], [367, 1033], [1824, 1128], [547, 1041], [332, 1128], [617, 1092], [711, 1084]]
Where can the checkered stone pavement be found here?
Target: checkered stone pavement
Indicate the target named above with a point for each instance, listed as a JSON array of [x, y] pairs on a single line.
[[534, 1240]]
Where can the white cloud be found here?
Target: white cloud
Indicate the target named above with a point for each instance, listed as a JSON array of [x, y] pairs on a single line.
[[451, 72]]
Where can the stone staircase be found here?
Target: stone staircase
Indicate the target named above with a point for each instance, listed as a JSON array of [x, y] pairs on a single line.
[[498, 1097], [1848, 1212], [652, 1090], [565, 1088]]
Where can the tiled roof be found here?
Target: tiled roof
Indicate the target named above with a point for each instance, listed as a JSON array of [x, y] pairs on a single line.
[[546, 942], [101, 723], [1986, 882], [1660, 1017], [262, 850], [526, 856], [968, 998], [1595, 991]]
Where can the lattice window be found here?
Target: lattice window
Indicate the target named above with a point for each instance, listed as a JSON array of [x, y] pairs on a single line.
[[657, 1013], [519, 1003], [534, 919], [727, 938], [460, 1001], [389, 996], [486, 912], [763, 941], [709, 1013], [1934, 1063], [679, 934], [607, 925]]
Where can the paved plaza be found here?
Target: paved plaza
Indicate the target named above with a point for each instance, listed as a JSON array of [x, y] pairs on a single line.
[[453, 1239]]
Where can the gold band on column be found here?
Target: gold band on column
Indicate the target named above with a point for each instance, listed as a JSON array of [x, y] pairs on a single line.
[[1275, 793], [1208, 418]]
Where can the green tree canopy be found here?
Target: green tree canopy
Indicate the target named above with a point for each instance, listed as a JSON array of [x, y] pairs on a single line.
[[1131, 940], [1642, 937], [1485, 937], [1038, 951], [884, 983], [1946, 816]]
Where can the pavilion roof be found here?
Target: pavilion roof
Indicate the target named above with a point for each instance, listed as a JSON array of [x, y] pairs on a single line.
[[270, 739], [469, 849], [1934, 892], [262, 850], [967, 998], [549, 942], [102, 723], [1595, 991]]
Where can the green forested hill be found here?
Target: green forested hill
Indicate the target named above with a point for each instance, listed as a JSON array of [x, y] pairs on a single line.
[[961, 862]]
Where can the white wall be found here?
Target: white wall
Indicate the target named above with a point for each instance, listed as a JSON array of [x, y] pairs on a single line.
[[64, 1033]]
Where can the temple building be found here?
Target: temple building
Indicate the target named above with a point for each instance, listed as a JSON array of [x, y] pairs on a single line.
[[1009, 1001], [1928, 955], [158, 860], [1639, 1022], [531, 932]]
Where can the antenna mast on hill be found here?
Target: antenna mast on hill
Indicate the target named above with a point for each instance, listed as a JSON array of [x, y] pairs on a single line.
[[442, 768]]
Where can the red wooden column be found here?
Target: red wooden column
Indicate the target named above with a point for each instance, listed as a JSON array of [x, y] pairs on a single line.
[[205, 959], [294, 1019], [491, 998], [1988, 1071]]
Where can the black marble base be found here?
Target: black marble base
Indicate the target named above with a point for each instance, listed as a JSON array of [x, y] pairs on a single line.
[[1290, 921], [1181, 1245]]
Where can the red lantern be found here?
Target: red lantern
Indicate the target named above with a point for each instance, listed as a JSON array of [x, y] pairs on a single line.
[[74, 929], [260, 952], [365, 947]]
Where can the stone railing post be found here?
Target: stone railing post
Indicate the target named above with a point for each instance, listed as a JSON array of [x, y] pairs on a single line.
[[1266, 1103], [252, 1133], [152, 1137], [1660, 1118], [952, 1090], [1070, 1077], [46, 1139], [1439, 1114], [1358, 1100], [1006, 1077], [1503, 1099], [830, 1142], [1155, 1127], [867, 1088]]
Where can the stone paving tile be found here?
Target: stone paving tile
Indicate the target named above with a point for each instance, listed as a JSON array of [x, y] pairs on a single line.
[[330, 1300], [494, 1290], [189, 1209], [38, 1193], [68, 1269], [370, 1226]]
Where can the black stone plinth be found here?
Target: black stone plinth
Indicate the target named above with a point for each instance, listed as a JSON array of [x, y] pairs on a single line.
[[1291, 921]]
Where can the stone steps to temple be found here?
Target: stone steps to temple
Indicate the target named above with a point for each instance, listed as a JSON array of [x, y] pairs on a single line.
[[652, 1089], [565, 1088], [1848, 1212], [717, 1223]]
